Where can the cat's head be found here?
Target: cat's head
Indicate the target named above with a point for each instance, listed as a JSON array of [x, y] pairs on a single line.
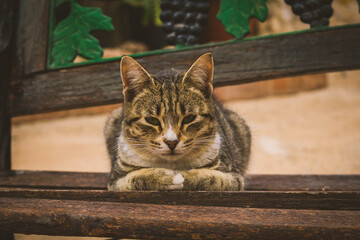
[[169, 116]]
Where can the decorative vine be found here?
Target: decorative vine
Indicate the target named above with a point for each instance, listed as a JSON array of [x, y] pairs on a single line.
[[72, 36], [235, 15]]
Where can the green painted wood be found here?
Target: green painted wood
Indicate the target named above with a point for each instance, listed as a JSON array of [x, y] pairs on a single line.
[[235, 15], [71, 36]]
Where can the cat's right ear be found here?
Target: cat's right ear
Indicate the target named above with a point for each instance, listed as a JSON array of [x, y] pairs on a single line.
[[134, 77]]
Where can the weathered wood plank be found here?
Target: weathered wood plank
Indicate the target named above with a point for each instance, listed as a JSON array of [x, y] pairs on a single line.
[[235, 63], [263, 182], [245, 199], [257, 182], [32, 35], [6, 23], [84, 218], [64, 180]]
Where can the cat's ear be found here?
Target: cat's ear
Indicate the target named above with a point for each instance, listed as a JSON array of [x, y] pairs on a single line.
[[134, 77], [201, 73]]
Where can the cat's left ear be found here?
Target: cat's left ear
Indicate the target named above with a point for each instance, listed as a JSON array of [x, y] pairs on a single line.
[[134, 77], [201, 73]]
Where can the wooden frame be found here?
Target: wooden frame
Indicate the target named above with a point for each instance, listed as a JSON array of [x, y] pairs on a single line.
[[266, 58], [272, 207]]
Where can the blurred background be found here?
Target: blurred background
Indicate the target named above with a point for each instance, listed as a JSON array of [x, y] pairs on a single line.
[[300, 125]]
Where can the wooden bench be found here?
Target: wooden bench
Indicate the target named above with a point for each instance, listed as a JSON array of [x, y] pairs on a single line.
[[78, 204]]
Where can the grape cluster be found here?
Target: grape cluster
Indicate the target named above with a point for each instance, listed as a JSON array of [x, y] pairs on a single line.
[[314, 12], [183, 20]]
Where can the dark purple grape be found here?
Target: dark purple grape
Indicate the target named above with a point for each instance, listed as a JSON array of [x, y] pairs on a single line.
[[190, 6], [326, 11], [166, 15], [312, 4], [324, 21], [195, 29], [167, 26], [183, 20], [171, 38], [314, 12], [190, 17], [201, 18], [327, 2], [315, 23], [181, 39], [177, 4], [178, 16], [181, 28], [203, 7], [191, 40], [306, 17], [298, 8]]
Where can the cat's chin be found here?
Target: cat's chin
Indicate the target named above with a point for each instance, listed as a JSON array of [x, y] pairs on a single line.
[[171, 157]]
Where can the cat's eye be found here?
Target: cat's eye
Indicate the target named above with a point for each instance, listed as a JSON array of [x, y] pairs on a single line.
[[188, 119], [153, 121]]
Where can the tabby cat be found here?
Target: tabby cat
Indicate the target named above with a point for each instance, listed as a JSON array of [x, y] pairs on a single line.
[[171, 133]]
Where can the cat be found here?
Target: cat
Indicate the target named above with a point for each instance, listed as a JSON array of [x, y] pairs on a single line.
[[172, 134]]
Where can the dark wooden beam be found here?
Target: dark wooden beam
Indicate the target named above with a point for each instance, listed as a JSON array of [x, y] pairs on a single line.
[[151, 221], [31, 37], [7, 12], [56, 180], [339, 200], [7, 16], [311, 51], [257, 182]]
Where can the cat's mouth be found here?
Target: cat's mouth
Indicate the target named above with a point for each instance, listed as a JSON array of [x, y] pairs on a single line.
[[171, 154]]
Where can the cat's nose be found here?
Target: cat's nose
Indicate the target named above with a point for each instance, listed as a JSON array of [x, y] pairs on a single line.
[[172, 144]]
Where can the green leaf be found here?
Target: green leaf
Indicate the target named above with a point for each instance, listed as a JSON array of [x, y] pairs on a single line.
[[72, 36], [359, 5], [235, 15], [90, 48]]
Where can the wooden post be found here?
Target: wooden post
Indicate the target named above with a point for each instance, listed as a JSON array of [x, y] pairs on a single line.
[[6, 20]]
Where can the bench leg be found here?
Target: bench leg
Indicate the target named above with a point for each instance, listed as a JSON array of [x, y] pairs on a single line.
[[6, 53], [6, 236]]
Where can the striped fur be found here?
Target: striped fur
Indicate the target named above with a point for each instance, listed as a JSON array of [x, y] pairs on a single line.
[[171, 133]]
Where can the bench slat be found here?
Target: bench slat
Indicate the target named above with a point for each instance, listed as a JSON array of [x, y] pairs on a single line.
[[109, 219], [256, 182], [311, 51], [247, 199]]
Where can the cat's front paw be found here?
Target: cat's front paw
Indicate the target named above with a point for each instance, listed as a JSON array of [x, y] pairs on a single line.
[[177, 182], [157, 179], [166, 179]]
